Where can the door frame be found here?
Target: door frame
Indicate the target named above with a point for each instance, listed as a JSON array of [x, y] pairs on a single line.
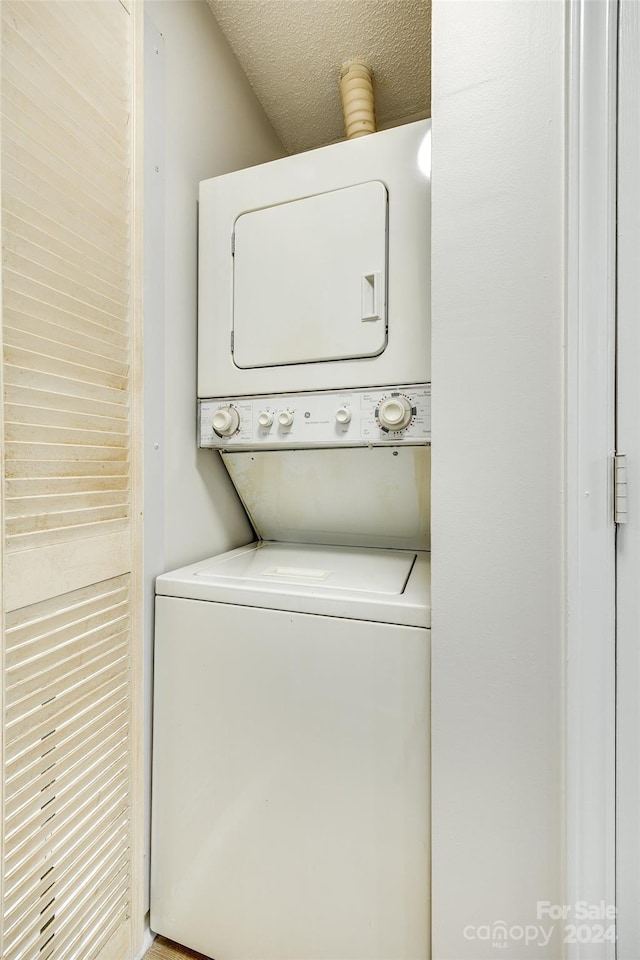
[[628, 440], [590, 445]]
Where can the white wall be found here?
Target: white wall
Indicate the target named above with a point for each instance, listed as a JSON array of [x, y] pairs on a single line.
[[497, 501], [202, 119], [214, 124]]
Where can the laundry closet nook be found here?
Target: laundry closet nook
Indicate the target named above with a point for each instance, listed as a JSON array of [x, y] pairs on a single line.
[[311, 731], [254, 371], [282, 493]]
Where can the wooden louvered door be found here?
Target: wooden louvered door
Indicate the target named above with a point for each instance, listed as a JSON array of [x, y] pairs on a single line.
[[71, 874]]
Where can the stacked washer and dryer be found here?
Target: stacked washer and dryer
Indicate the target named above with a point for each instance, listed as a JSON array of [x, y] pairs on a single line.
[[291, 786]]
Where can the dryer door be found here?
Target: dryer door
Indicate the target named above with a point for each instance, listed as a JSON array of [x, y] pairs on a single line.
[[310, 279]]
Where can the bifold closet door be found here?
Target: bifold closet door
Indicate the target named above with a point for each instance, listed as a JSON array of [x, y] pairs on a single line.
[[71, 874]]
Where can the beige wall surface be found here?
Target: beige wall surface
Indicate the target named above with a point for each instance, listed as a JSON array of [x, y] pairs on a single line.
[[497, 500]]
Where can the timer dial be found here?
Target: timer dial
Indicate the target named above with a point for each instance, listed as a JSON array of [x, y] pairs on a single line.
[[394, 413], [226, 421], [285, 418]]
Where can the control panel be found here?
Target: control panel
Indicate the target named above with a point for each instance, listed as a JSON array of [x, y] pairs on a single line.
[[333, 418]]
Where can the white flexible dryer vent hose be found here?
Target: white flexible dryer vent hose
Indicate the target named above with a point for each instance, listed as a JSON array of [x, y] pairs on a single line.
[[356, 91]]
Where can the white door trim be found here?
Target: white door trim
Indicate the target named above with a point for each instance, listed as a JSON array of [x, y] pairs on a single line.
[[628, 440], [590, 438]]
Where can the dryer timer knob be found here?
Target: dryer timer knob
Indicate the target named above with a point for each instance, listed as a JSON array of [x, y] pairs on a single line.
[[226, 421], [285, 418], [394, 413]]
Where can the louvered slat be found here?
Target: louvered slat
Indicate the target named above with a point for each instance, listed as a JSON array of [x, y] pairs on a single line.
[[66, 176], [25, 898], [60, 47], [64, 256], [87, 167], [98, 869], [48, 845], [62, 486], [31, 763], [66, 763], [34, 469], [26, 329], [44, 399], [54, 451], [62, 434], [30, 729], [66, 99], [34, 505], [33, 360], [62, 383], [33, 224], [94, 650], [31, 333], [29, 940], [67, 769], [84, 602], [82, 419], [63, 814], [33, 308], [58, 212]]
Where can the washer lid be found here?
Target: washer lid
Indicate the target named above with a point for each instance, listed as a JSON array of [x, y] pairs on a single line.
[[357, 583], [270, 565]]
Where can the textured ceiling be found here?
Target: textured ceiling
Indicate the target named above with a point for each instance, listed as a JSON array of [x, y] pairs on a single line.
[[292, 51]]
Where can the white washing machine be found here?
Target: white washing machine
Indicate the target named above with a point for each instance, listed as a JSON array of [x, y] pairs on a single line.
[[291, 754]]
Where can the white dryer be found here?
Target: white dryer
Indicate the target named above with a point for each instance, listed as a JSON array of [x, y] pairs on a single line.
[[291, 754], [315, 269]]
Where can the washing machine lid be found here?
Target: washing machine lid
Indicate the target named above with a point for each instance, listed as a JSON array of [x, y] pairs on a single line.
[[389, 586], [323, 568]]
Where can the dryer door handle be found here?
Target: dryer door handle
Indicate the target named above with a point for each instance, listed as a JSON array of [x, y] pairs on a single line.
[[370, 297]]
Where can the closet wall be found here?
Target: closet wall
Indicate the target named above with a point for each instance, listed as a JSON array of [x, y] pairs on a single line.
[[213, 124], [497, 480], [202, 119]]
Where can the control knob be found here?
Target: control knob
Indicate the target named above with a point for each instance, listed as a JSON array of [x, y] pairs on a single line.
[[343, 415], [394, 413], [226, 421], [265, 419], [285, 418]]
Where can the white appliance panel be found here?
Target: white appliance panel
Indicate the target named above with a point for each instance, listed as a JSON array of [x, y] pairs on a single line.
[[361, 496], [310, 279], [291, 785], [270, 345], [381, 586], [321, 568], [329, 419]]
